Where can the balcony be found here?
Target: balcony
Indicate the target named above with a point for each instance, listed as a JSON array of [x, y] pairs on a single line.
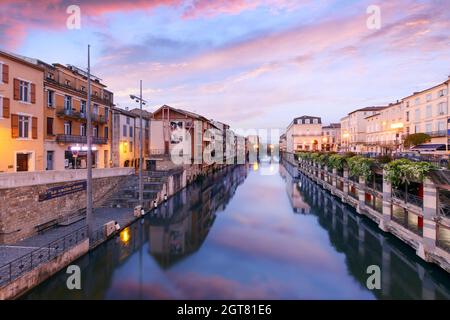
[[66, 138], [98, 118], [76, 115], [436, 134], [69, 113]]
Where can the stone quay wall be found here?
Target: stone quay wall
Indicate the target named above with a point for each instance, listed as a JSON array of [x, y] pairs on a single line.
[[32, 199], [382, 206]]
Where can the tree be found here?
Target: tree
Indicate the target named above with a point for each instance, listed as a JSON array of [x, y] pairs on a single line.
[[415, 139]]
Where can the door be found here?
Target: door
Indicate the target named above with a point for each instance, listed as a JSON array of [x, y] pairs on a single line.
[[50, 160], [22, 162], [151, 165]]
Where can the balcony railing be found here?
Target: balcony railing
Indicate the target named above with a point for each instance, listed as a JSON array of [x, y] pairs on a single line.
[[66, 138], [73, 114], [435, 134], [407, 197]]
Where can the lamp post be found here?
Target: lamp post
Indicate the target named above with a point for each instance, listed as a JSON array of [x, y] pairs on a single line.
[[89, 151], [141, 138]]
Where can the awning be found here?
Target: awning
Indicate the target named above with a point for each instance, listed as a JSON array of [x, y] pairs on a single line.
[[429, 147]]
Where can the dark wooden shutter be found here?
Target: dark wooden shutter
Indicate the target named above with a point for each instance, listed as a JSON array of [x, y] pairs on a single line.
[[34, 132], [5, 73], [14, 126], [6, 108], [33, 93], [49, 126], [16, 89]]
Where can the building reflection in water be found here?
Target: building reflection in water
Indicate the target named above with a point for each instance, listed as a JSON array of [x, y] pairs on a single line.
[[404, 275], [179, 227]]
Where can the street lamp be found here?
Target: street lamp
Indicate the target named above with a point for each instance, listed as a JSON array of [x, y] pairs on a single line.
[[89, 151], [141, 138]]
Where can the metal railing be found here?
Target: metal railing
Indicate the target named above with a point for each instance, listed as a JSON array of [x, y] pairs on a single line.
[[14, 269], [68, 138], [407, 197], [97, 237]]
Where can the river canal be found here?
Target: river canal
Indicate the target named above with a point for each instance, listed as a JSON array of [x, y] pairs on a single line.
[[251, 232]]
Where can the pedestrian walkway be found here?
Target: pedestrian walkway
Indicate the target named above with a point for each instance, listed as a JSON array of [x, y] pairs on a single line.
[[8, 253]]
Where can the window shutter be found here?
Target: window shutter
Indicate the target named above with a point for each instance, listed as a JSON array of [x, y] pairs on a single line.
[[5, 107], [16, 89], [34, 133], [14, 126], [33, 93], [5, 73]]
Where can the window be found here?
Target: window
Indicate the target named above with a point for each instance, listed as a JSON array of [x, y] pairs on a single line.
[[315, 121], [442, 93], [95, 131], [67, 127], [442, 109], [50, 98], [124, 131], [131, 132], [128, 120], [49, 126], [83, 129], [68, 82], [50, 75], [417, 114], [429, 111], [429, 97], [441, 126], [407, 116], [417, 128], [428, 128], [106, 133], [83, 107], [306, 121], [95, 109], [131, 146], [106, 114], [68, 102], [83, 88], [407, 130], [1, 72], [417, 101], [24, 91], [24, 126]]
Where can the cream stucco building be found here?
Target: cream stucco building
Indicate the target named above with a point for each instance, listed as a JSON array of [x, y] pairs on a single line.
[[304, 134], [385, 130], [427, 112]]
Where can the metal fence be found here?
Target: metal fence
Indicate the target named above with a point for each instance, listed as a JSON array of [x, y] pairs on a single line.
[[407, 197], [14, 269]]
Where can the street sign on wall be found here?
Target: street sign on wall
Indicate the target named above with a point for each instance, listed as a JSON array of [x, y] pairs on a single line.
[[60, 191]]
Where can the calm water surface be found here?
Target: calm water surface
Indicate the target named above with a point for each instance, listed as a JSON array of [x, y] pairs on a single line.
[[251, 233]]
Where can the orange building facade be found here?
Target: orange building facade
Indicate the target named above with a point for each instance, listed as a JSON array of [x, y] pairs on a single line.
[[65, 114], [21, 118]]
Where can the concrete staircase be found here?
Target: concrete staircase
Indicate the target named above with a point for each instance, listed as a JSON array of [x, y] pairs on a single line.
[[128, 194]]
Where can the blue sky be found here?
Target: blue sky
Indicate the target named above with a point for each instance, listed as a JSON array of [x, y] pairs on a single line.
[[251, 63]]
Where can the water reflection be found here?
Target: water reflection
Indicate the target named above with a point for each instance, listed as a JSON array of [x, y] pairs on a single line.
[[229, 239], [404, 275]]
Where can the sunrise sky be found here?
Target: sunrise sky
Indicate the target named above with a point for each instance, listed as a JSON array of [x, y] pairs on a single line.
[[250, 63]]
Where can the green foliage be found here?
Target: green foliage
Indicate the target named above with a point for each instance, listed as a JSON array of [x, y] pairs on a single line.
[[415, 139], [404, 171], [323, 159], [360, 166], [384, 159], [336, 161]]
